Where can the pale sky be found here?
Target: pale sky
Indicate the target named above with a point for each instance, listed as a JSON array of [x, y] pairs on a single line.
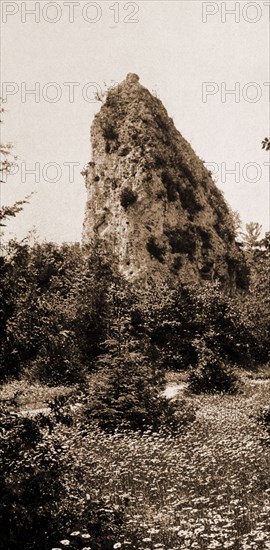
[[178, 48]]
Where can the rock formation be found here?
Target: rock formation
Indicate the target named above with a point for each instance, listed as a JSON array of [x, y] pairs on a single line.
[[151, 200]]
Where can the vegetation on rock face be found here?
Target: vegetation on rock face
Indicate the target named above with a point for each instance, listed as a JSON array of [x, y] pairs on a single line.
[[155, 249], [183, 240], [127, 197]]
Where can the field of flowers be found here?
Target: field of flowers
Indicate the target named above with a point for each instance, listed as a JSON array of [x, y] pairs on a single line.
[[206, 489]]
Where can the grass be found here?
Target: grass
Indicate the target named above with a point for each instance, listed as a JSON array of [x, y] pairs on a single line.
[[21, 394], [207, 489]]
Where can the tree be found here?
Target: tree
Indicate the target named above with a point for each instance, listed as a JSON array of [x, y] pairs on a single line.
[[256, 303], [237, 222], [38, 311], [251, 236], [8, 161], [183, 321], [32, 482], [128, 394]]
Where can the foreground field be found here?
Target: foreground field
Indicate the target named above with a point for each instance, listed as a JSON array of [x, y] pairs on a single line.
[[207, 489]]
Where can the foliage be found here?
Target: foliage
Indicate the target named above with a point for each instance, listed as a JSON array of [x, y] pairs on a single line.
[[127, 197], [40, 502], [100, 527], [239, 268], [207, 487], [251, 236], [127, 395], [175, 319], [155, 249], [7, 163], [90, 296], [37, 314], [170, 186], [58, 315], [211, 375], [190, 200], [225, 221], [256, 303], [11, 211], [183, 240], [32, 483], [109, 133], [138, 491], [7, 159], [54, 319]]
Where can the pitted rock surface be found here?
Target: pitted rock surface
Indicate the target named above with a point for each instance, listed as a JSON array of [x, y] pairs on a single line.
[[151, 200]]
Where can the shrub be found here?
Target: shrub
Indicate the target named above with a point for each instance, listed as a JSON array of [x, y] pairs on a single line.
[[109, 133], [42, 499], [175, 319], [58, 361], [37, 315], [183, 240], [52, 317], [205, 236], [159, 161], [100, 526], [127, 197], [189, 175], [177, 263], [211, 375], [128, 397], [31, 483], [189, 200], [169, 183], [161, 122], [155, 250], [238, 266]]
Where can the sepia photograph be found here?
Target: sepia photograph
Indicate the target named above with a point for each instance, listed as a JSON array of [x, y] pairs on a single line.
[[134, 275]]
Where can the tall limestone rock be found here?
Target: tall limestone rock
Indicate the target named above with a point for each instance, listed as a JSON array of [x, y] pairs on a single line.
[[151, 200]]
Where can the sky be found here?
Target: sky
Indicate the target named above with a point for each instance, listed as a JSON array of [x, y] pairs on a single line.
[[207, 61]]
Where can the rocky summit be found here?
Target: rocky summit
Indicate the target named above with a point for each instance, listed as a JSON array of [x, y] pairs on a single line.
[[151, 200]]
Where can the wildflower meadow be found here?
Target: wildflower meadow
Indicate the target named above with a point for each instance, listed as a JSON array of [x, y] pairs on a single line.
[[208, 488]]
